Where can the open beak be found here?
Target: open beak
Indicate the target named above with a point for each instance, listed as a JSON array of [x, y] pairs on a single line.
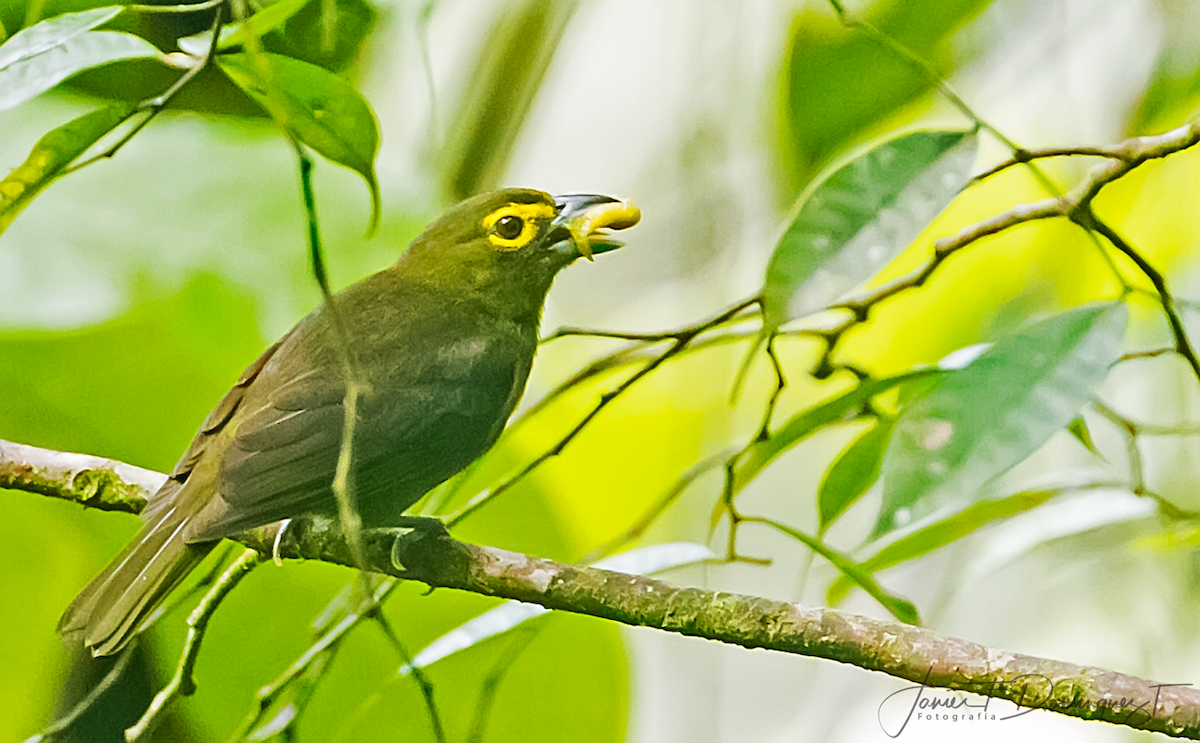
[[582, 219]]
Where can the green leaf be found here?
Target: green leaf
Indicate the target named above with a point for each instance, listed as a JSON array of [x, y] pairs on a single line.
[[860, 217], [852, 473], [1079, 429], [899, 607], [941, 533], [315, 107], [508, 615], [973, 424], [255, 27], [52, 154], [42, 37], [43, 55], [809, 421], [34, 74]]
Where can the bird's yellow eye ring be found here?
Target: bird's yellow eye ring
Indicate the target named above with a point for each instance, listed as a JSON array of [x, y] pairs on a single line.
[[514, 226]]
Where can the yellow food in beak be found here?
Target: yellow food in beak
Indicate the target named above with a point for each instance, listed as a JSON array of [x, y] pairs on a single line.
[[616, 215]]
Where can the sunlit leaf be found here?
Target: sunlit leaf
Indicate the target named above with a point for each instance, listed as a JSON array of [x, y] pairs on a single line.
[[512, 613], [42, 37], [1065, 517], [26, 75], [899, 607], [315, 106], [52, 154], [264, 21], [855, 221], [852, 473], [971, 425], [941, 533]]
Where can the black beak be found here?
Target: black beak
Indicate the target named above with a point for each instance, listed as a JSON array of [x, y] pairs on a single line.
[[581, 217]]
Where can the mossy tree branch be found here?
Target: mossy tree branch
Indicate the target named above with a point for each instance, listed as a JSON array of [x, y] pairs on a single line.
[[904, 651]]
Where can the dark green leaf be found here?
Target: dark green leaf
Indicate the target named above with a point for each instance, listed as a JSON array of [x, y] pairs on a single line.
[[51, 155], [855, 221], [315, 106], [900, 608], [973, 424], [941, 533], [25, 73], [852, 473], [807, 422]]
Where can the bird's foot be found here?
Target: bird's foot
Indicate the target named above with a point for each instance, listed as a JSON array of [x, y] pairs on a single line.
[[424, 526], [276, 557], [427, 551]]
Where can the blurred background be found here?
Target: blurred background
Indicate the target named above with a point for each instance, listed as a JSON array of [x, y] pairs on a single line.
[[133, 292]]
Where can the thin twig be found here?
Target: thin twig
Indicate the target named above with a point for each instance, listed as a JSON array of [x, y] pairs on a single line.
[[154, 106], [725, 505], [182, 682], [186, 8], [267, 696], [491, 682], [178, 598], [355, 385], [764, 429], [725, 317], [1131, 152], [1150, 354], [1183, 345], [1129, 433], [418, 675]]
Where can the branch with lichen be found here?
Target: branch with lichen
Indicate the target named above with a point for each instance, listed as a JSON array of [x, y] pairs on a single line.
[[907, 652]]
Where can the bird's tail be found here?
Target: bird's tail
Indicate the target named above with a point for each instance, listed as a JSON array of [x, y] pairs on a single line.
[[120, 601]]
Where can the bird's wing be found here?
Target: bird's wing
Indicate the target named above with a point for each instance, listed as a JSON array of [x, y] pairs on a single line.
[[411, 431], [208, 434], [430, 409], [281, 448]]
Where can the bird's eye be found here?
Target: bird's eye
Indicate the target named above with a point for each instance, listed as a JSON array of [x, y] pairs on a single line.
[[509, 227], [515, 225]]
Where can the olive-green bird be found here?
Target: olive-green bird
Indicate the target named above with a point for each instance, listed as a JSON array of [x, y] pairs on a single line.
[[443, 339]]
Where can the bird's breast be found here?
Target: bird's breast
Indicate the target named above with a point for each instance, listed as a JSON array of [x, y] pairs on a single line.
[[458, 359]]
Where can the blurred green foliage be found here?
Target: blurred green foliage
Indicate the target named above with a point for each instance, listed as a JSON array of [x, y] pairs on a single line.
[[839, 85], [508, 71]]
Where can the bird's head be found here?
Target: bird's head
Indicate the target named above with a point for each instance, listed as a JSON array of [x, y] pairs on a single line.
[[519, 238]]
